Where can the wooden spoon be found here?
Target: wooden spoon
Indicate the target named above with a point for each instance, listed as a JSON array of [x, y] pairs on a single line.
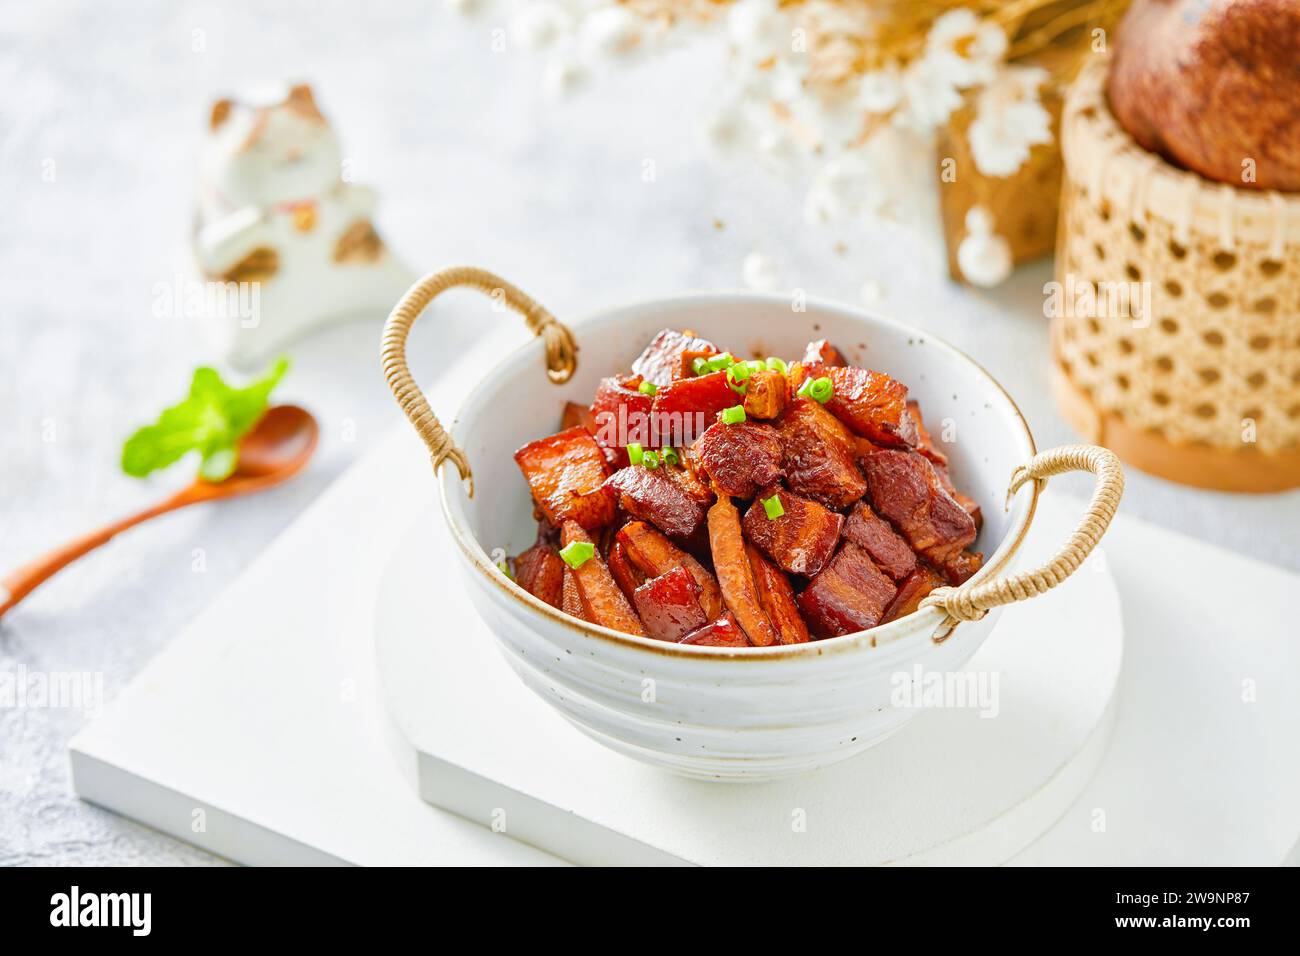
[[275, 450]]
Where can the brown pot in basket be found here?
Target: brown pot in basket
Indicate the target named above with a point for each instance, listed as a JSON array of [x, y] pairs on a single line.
[[1176, 311]]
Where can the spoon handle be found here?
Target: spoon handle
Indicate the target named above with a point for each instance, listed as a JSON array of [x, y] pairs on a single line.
[[19, 583]]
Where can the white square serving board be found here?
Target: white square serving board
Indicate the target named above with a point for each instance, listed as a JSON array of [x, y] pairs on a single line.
[[260, 733]]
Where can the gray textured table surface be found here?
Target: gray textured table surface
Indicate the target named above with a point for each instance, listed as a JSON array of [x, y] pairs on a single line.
[[473, 164]]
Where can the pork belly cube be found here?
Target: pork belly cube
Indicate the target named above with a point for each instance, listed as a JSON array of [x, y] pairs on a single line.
[[969, 504], [802, 539], [663, 359], [822, 352], [621, 414], [540, 572], [602, 601], [911, 590], [971, 507], [907, 491], [817, 454], [724, 632], [687, 406], [766, 395], [740, 458], [576, 415], [850, 595], [959, 568], [566, 474], [669, 605], [691, 477], [874, 535], [871, 404], [651, 555], [620, 399], [924, 442], [652, 495], [570, 598], [627, 576], [735, 576], [777, 598]]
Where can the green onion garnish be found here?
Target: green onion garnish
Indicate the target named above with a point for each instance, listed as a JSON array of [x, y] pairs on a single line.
[[647, 388], [739, 372], [577, 553], [700, 366], [736, 376], [721, 361], [777, 365], [821, 390], [733, 415], [773, 507], [805, 388], [505, 569], [651, 460], [671, 457], [634, 452]]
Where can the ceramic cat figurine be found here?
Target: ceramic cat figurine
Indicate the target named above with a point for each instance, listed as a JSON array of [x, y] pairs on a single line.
[[275, 210]]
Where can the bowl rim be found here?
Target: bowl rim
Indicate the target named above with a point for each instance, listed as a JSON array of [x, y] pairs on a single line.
[[897, 634]]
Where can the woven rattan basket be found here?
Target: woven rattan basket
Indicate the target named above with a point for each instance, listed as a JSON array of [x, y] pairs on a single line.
[[1187, 361]]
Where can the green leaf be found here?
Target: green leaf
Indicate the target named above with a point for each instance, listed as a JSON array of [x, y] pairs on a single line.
[[211, 421], [218, 465]]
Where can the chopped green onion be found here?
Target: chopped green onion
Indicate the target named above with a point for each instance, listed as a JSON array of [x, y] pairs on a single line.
[[733, 415], [755, 365], [821, 390], [651, 460], [647, 388], [805, 388], [721, 361], [671, 457], [777, 365], [577, 553], [700, 366], [773, 507], [634, 452], [505, 569], [739, 372]]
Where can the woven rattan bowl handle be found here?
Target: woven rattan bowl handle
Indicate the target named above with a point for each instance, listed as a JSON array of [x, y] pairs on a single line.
[[561, 350], [972, 602]]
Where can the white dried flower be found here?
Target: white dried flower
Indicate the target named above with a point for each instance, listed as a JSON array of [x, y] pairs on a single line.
[[1010, 119], [964, 49], [539, 25], [880, 91], [930, 96], [839, 191], [758, 28], [983, 256], [610, 33], [784, 80], [979, 220]]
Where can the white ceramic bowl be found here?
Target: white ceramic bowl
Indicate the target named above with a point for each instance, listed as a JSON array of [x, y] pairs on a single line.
[[719, 713]]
